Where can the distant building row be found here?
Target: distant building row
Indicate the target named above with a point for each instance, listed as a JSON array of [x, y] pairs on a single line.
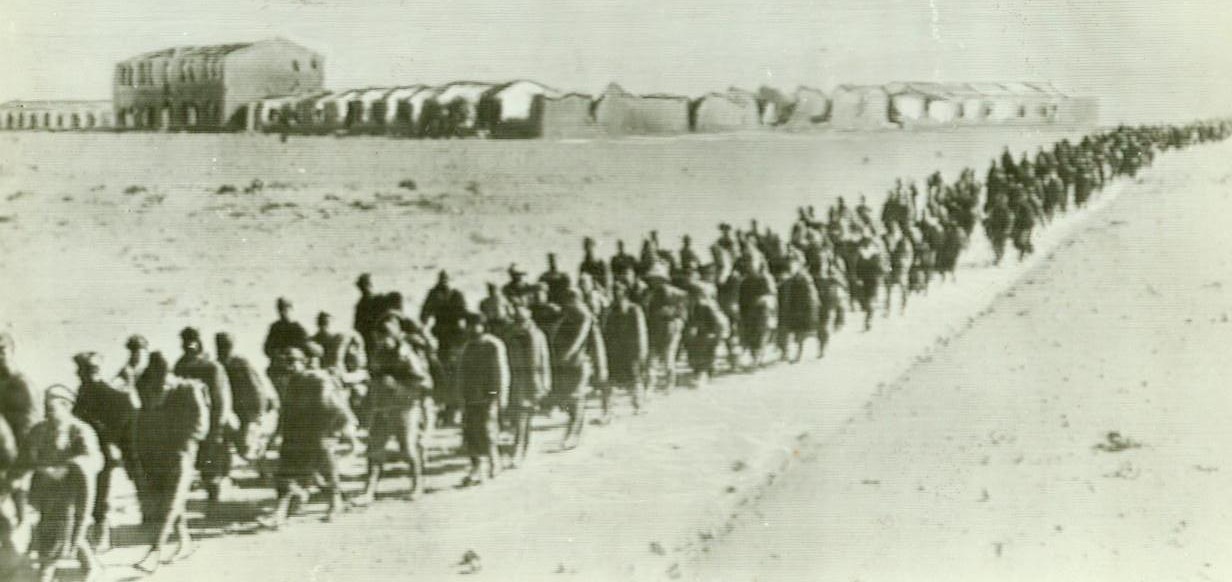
[[277, 86], [528, 109]]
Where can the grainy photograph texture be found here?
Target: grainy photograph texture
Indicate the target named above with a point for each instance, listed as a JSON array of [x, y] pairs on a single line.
[[383, 290]]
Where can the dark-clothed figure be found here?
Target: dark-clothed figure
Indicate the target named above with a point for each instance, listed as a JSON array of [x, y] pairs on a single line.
[[62, 453], [869, 271], [173, 420], [997, 227], [798, 309], [18, 402], [21, 409], [285, 332], [1025, 217], [254, 401], [401, 381], [483, 377], [758, 310], [367, 309], [628, 349], [314, 412], [496, 309], [622, 262], [518, 289], [898, 253], [592, 265], [578, 355], [830, 312], [530, 378], [214, 457], [556, 280], [110, 411], [707, 328], [666, 310], [444, 311], [138, 355]]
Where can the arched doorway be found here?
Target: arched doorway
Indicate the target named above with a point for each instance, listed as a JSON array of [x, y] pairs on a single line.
[[164, 116], [75, 121], [46, 121], [190, 115], [90, 121]]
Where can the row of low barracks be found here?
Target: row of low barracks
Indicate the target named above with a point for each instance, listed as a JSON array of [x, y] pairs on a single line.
[[278, 86]]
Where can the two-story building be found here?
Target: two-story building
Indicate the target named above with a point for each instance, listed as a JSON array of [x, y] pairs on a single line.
[[211, 88]]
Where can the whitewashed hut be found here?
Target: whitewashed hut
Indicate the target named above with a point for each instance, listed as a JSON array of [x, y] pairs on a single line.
[[812, 108], [507, 110], [454, 110], [722, 112]]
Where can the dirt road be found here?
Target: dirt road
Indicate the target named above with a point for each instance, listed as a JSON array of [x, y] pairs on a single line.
[[995, 458]]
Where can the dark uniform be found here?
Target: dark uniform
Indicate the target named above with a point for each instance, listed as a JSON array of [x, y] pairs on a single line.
[[530, 379]]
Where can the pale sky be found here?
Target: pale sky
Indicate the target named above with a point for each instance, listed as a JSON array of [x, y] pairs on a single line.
[[1146, 60]]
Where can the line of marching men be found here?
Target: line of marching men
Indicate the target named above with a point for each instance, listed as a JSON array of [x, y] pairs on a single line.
[[531, 345]]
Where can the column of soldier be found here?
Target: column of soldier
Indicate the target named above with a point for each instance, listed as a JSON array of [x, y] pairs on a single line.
[[624, 325]]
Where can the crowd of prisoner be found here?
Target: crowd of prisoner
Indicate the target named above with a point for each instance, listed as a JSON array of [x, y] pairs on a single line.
[[626, 324]]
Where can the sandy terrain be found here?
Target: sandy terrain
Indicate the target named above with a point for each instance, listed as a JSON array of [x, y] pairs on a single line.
[[990, 459], [645, 497], [109, 235]]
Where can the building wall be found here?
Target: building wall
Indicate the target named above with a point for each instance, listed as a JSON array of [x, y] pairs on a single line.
[[166, 93], [566, 117], [811, 108], [860, 109], [268, 69], [717, 113], [908, 108], [56, 115], [632, 115]]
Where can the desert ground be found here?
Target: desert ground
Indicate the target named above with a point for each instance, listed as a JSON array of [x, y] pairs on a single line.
[[878, 455], [994, 458]]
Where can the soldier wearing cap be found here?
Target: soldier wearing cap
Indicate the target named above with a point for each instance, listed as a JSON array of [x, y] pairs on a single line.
[[138, 353], [254, 401], [625, 337], [798, 309], [707, 328], [483, 379], [314, 413], [443, 311], [284, 332], [593, 266], [367, 309], [758, 302], [173, 420], [110, 411], [556, 280], [62, 454], [518, 288], [666, 310], [622, 262], [401, 381], [530, 378], [214, 458], [578, 358], [496, 308]]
